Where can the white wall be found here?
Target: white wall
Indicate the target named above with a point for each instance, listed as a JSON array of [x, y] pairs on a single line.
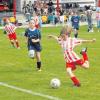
[[69, 1]]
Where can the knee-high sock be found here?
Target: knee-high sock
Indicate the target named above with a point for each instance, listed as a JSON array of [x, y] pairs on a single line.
[[85, 56], [75, 81], [76, 35], [39, 65]]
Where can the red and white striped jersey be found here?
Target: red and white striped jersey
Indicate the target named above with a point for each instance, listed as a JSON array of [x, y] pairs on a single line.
[[68, 46], [10, 28]]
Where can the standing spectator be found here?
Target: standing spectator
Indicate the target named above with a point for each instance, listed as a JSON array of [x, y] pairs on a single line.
[[89, 20], [45, 8], [98, 19], [61, 11], [24, 7], [50, 6], [30, 7], [34, 5]]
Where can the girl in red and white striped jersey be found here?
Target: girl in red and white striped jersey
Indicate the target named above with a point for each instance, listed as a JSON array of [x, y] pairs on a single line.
[[72, 59], [10, 30]]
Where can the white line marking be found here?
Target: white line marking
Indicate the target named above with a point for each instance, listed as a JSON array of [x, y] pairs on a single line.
[[29, 91]]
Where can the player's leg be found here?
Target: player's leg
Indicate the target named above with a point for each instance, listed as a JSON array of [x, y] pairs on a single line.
[[88, 25], [75, 32], [85, 64], [16, 41], [85, 58], [12, 42], [38, 57], [69, 68], [17, 44]]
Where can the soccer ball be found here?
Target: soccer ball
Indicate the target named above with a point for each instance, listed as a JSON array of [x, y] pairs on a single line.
[[55, 83]]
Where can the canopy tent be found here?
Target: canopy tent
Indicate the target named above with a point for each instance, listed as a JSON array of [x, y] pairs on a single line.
[[98, 3], [8, 5]]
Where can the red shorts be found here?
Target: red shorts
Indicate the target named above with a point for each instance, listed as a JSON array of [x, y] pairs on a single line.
[[72, 65], [12, 36]]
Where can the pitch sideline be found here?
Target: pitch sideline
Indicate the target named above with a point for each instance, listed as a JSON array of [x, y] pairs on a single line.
[[29, 91]]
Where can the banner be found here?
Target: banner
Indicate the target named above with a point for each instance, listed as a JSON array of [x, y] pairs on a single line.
[[74, 1]]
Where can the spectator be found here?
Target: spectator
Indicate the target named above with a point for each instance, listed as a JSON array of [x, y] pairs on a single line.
[[89, 20], [98, 20], [50, 6]]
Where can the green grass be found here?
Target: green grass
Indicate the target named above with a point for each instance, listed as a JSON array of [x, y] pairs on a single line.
[[17, 69]]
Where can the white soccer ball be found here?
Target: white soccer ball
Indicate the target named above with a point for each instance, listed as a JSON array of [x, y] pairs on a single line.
[[31, 53], [55, 83]]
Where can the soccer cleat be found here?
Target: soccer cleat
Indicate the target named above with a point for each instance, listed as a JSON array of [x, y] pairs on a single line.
[[39, 70], [83, 50], [77, 85]]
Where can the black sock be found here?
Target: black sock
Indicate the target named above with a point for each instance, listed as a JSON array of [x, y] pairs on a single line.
[[39, 65], [76, 35]]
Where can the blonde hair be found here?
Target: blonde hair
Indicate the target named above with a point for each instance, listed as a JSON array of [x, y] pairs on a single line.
[[66, 30], [63, 30]]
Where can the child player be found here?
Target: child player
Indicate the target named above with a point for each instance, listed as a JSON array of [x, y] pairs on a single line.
[[72, 59], [33, 37], [10, 30], [75, 23]]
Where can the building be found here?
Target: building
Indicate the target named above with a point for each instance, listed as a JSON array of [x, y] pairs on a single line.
[[80, 2], [19, 3]]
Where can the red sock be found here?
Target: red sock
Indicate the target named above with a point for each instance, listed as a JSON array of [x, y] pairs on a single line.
[[85, 57], [75, 81], [17, 44]]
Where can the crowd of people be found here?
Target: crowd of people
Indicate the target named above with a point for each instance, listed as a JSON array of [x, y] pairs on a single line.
[[49, 13], [39, 6]]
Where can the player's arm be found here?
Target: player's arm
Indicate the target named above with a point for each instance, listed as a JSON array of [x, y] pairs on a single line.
[[53, 36], [34, 39], [88, 41], [15, 28], [56, 38]]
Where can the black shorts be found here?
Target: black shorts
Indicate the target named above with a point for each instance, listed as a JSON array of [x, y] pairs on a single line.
[[77, 28], [36, 47]]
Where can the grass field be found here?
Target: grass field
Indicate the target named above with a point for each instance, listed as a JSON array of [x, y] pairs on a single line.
[[18, 72]]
